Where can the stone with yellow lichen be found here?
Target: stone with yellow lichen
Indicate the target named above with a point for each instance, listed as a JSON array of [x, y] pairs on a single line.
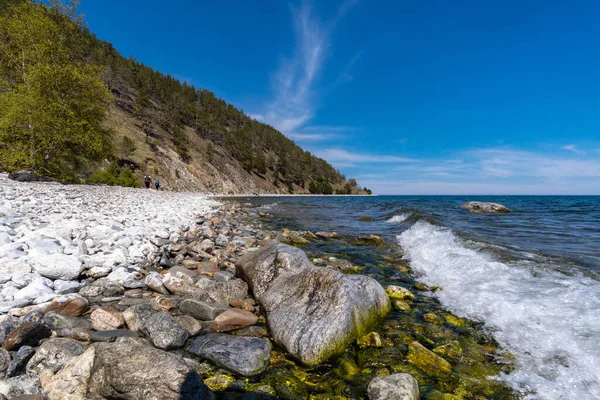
[[450, 349], [453, 320], [371, 339], [433, 318], [219, 382], [401, 305], [427, 360], [435, 395], [398, 292]]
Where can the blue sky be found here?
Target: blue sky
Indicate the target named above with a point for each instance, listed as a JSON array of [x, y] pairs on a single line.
[[408, 97]]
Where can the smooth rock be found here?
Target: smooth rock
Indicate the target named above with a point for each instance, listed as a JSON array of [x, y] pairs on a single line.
[[126, 371], [99, 271], [154, 282], [245, 356], [484, 207], [66, 287], [53, 354], [398, 292], [29, 334], [427, 360], [55, 266], [69, 327], [164, 331], [393, 387], [312, 312], [373, 239], [233, 319], [202, 310], [106, 319]]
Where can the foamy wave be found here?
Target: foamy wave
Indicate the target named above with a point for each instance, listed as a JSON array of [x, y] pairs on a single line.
[[550, 321], [396, 219]]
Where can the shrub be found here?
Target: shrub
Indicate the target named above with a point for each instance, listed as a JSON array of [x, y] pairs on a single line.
[[114, 176]]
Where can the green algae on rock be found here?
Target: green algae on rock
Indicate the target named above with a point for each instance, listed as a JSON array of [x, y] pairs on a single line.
[[427, 360]]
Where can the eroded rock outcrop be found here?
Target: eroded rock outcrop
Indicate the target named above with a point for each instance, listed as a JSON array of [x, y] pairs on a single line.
[[313, 312], [482, 207]]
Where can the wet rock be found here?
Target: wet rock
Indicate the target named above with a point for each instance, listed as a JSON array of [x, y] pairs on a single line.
[[53, 354], [394, 387], [327, 235], [251, 331], [427, 360], [154, 282], [243, 355], [371, 239], [400, 305], [126, 371], [202, 310], [28, 334], [342, 265], [4, 360], [164, 331], [70, 327], [106, 319], [365, 219], [398, 292], [313, 312], [451, 349], [19, 361], [233, 319], [371, 339], [484, 207], [111, 336]]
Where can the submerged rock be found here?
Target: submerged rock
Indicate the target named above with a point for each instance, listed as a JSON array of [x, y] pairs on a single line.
[[485, 207], [427, 360], [313, 312], [125, 371], [245, 356], [394, 387]]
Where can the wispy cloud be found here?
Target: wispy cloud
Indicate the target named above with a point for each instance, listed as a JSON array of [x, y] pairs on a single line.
[[494, 171], [573, 148], [295, 82], [341, 157]]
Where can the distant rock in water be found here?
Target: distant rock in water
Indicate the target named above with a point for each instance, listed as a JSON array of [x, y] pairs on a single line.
[[28, 176], [313, 312], [484, 207]]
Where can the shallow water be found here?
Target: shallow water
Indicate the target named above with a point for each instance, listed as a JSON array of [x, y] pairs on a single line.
[[530, 276]]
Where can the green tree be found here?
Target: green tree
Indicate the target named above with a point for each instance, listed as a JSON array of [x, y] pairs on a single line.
[[52, 102]]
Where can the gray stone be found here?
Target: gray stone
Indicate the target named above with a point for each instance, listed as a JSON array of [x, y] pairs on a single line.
[[19, 361], [246, 356], [126, 371], [136, 316], [223, 292], [112, 335], [223, 276], [6, 306], [29, 334], [164, 331], [65, 287], [28, 176], [4, 360], [53, 354], [393, 387], [222, 240], [312, 312], [154, 282], [202, 310], [191, 325]]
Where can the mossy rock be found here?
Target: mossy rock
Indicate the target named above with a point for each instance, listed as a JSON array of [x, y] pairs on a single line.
[[454, 320], [422, 287], [374, 357], [371, 339], [400, 305], [400, 293], [219, 382], [427, 360], [451, 349], [365, 219], [433, 318]]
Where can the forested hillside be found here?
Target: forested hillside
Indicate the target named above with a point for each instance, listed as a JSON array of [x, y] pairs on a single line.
[[58, 117]]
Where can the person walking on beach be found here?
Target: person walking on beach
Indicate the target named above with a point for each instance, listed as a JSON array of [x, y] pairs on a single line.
[[147, 181], [157, 184]]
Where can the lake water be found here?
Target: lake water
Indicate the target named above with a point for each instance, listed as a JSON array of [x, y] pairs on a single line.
[[532, 277]]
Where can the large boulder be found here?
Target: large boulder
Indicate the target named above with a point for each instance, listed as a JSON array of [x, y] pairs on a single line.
[[28, 176], [481, 207], [393, 387], [55, 266], [125, 371], [313, 312], [53, 354], [245, 356]]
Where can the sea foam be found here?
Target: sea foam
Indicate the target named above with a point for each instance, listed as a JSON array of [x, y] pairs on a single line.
[[550, 321], [397, 219]]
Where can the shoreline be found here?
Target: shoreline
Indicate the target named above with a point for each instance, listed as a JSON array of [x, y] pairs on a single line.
[[156, 300]]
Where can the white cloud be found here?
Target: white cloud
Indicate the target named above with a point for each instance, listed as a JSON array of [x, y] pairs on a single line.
[[571, 147], [344, 157], [311, 137]]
